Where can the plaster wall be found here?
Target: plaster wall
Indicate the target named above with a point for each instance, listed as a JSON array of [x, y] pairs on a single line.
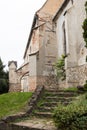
[[25, 83], [73, 15], [62, 20], [41, 54], [81, 15], [12, 73], [32, 66], [34, 44]]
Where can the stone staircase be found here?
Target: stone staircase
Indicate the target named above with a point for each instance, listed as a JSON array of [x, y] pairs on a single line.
[[51, 98], [41, 117]]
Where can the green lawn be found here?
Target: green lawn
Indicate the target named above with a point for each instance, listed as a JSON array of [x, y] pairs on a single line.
[[12, 103]]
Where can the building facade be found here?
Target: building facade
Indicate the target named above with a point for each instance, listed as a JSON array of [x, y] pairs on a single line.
[[56, 30], [70, 42], [40, 52]]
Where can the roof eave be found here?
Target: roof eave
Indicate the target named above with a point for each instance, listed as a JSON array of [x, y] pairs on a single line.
[[64, 4], [34, 21], [30, 35]]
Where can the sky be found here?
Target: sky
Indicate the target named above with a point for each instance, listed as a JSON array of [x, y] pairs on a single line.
[[16, 18]]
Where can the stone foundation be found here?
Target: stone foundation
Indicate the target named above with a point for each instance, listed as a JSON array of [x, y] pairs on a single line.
[[32, 83], [13, 87], [76, 75], [48, 81]]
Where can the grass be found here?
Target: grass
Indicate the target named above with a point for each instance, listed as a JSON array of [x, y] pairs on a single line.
[[12, 103], [73, 89]]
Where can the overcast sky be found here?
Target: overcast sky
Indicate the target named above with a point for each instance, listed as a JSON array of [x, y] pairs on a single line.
[[15, 23]]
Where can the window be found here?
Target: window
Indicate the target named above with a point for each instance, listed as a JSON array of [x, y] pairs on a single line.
[[64, 39]]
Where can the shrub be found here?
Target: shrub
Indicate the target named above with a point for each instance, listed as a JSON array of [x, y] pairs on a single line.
[[3, 86], [60, 67], [85, 31], [73, 116]]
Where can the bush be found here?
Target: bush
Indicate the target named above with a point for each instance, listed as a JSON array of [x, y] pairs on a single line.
[[85, 31], [60, 67], [3, 86], [73, 116]]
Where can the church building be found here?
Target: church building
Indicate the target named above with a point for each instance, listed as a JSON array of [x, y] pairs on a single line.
[[56, 30], [40, 52], [68, 21]]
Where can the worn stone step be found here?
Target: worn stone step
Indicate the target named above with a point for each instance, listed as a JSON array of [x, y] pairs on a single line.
[[22, 127], [56, 98], [34, 123], [43, 114], [67, 91], [62, 94], [49, 104], [54, 104], [46, 109], [59, 90], [66, 103]]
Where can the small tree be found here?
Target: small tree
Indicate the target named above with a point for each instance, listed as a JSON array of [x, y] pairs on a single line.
[[60, 68], [3, 79]]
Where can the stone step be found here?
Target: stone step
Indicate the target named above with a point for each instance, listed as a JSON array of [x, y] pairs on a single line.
[[34, 123], [57, 99], [66, 103], [54, 104], [62, 94], [22, 127], [43, 114], [46, 109], [67, 91], [60, 90], [49, 104]]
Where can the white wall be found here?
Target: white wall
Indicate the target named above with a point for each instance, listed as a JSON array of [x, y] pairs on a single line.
[[32, 65], [25, 84], [74, 40]]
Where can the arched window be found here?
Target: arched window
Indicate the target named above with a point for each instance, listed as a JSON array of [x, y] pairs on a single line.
[[64, 38]]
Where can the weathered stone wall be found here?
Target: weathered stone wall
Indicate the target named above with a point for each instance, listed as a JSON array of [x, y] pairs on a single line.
[[16, 75], [14, 87], [42, 39], [49, 81], [76, 75], [32, 83]]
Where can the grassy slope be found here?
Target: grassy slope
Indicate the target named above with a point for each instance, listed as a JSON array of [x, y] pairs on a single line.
[[12, 103]]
